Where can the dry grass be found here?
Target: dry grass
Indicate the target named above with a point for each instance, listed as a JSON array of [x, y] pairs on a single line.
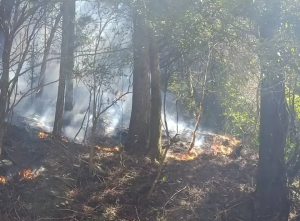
[[206, 188]]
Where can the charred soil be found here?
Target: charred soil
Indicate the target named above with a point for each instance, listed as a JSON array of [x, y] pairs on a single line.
[[48, 180]]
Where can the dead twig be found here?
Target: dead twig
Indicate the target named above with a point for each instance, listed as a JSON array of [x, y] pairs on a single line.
[[137, 214], [233, 206], [62, 218], [171, 198]]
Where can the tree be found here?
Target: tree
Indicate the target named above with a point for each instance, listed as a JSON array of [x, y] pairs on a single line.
[[69, 100], [49, 42], [15, 16], [154, 146], [66, 65], [271, 191], [139, 122], [6, 8]]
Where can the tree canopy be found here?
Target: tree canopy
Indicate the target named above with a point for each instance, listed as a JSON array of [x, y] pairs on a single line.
[[149, 74]]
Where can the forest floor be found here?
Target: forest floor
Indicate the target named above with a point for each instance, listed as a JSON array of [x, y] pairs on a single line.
[[48, 180]]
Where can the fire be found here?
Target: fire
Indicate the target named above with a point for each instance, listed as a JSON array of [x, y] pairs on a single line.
[[3, 179], [224, 144], [108, 149], [190, 155], [26, 174], [219, 148], [186, 156], [232, 140], [65, 140], [43, 135]]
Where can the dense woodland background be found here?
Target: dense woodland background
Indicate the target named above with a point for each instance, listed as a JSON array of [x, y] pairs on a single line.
[[160, 67]]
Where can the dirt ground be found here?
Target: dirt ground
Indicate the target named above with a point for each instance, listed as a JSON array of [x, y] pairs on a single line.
[[205, 188]]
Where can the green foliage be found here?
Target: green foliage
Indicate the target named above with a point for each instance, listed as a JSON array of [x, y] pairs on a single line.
[[183, 91], [240, 112]]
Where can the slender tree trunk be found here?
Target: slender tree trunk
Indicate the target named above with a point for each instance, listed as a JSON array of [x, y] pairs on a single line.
[[271, 190], [32, 63], [154, 147], [94, 127], [1, 42], [62, 72], [92, 144], [4, 85], [139, 122], [201, 102], [46, 55], [6, 7], [196, 127], [70, 63]]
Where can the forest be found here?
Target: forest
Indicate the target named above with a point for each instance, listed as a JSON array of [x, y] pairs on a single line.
[[158, 110]]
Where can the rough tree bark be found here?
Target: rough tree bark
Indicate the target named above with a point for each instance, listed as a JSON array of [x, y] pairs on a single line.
[[6, 7], [154, 147], [64, 68], [271, 190], [139, 122], [69, 100]]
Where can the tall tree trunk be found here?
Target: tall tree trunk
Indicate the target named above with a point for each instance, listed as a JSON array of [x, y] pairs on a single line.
[[70, 63], [154, 147], [46, 56], [6, 7], [92, 140], [271, 190], [63, 70], [139, 122]]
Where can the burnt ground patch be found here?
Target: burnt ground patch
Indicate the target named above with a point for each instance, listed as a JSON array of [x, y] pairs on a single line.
[[206, 188]]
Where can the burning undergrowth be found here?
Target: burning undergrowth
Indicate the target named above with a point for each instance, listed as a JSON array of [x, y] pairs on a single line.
[[214, 144], [44, 135], [51, 181]]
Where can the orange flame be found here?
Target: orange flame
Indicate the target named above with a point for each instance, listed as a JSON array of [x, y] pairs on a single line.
[[3, 179], [186, 156], [108, 149], [65, 140], [224, 144], [219, 148], [26, 175], [232, 140], [43, 135]]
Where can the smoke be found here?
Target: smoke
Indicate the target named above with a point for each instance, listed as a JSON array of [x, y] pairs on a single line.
[[111, 39], [114, 78]]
